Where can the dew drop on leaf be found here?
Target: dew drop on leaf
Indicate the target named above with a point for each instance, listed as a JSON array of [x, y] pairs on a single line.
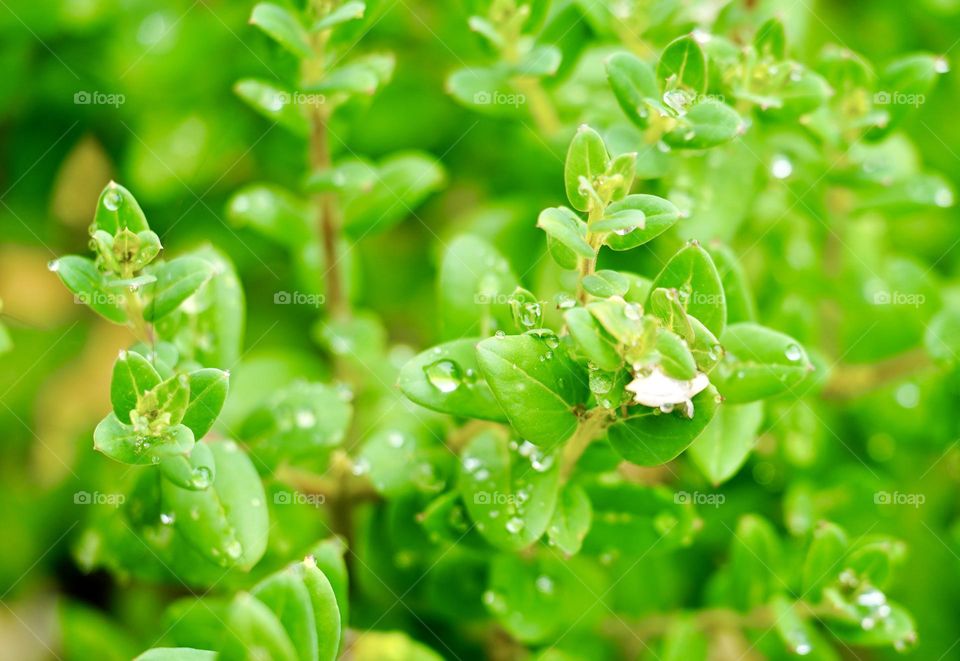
[[781, 167], [200, 477], [544, 584], [514, 525], [167, 519], [444, 375], [794, 353]]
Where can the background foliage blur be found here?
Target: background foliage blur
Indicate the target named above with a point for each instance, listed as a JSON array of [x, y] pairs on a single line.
[[161, 118]]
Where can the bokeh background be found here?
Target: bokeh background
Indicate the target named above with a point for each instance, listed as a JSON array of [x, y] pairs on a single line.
[[140, 91]]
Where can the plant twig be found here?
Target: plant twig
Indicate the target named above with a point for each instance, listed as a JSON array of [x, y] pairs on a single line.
[[849, 381]]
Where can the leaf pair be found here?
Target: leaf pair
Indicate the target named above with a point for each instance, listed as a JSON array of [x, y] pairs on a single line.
[[154, 418]]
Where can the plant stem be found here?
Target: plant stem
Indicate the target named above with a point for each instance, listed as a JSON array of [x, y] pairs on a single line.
[[541, 109], [591, 426], [329, 225], [851, 381]]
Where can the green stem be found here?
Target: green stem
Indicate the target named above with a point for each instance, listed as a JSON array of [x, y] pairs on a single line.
[[590, 429], [849, 381]]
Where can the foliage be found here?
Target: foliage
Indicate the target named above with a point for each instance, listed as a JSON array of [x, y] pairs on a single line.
[[685, 333]]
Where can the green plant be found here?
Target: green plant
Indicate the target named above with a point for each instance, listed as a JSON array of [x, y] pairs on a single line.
[[540, 483]]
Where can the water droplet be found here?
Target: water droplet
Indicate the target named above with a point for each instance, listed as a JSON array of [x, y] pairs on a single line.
[[201, 477], [234, 550], [395, 439], [632, 311], [794, 353], [112, 199], [514, 525], [471, 464], [444, 375], [623, 231], [305, 419], [941, 65], [943, 198], [544, 584], [167, 519], [53, 265], [908, 395], [360, 467], [803, 649], [781, 167], [565, 301]]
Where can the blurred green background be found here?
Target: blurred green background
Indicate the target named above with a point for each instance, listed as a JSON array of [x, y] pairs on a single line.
[[140, 91]]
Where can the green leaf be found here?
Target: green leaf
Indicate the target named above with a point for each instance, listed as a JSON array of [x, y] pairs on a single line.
[[564, 226], [770, 40], [274, 212], [659, 215], [81, 276], [274, 103], [177, 280], [281, 25], [176, 654], [540, 61], [725, 444], [736, 288], [328, 557], [196, 471], [300, 420], [759, 363], [571, 519], [536, 599], [754, 562], [911, 77], [537, 385], [633, 82], [226, 523], [254, 632], [302, 599], [117, 209], [402, 461], [586, 160], [133, 375], [674, 356], [707, 124], [404, 181], [632, 520], [123, 443], [897, 629], [474, 283], [795, 631], [446, 379], [510, 491], [348, 11], [351, 177], [214, 325], [208, 392], [692, 273], [623, 320], [604, 284], [683, 64], [649, 438], [488, 90], [593, 341], [824, 559]]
